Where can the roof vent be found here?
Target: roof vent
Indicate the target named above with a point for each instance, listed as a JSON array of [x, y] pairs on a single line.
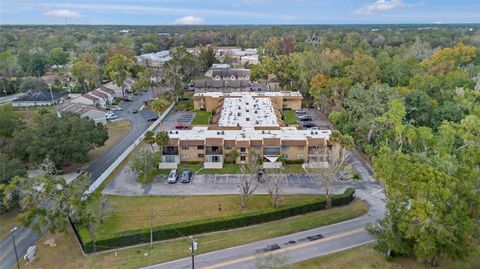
[[176, 132]]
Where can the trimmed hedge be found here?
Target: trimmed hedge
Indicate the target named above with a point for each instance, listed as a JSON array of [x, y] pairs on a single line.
[[301, 161], [139, 236]]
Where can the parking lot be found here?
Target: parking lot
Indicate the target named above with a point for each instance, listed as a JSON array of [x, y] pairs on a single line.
[[175, 118], [317, 119], [289, 179]]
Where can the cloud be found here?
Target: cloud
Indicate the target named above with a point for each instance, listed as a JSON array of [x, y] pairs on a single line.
[[380, 5], [189, 20], [63, 13]]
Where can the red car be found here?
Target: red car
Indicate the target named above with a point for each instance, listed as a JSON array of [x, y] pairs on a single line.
[[181, 127]]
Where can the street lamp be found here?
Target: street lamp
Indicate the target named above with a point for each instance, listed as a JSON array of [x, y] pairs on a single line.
[[15, 246], [193, 248]]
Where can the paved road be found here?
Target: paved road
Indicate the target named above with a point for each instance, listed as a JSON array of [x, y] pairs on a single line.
[[9, 98], [303, 245], [25, 237]]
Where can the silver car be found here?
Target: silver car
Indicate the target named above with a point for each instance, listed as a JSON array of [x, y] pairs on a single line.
[[173, 176]]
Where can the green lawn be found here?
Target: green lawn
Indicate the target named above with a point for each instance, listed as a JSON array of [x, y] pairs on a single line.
[[367, 257], [201, 118], [7, 222], [133, 212], [290, 117], [185, 105], [227, 169], [294, 169], [67, 253]]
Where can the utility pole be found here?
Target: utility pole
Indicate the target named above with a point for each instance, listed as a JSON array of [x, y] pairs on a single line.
[[15, 246], [151, 228], [193, 248]]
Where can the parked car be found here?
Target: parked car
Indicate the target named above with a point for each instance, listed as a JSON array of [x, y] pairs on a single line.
[[135, 111], [126, 99], [173, 176], [112, 117], [301, 112], [186, 176], [153, 118], [116, 108], [309, 126], [311, 106], [181, 127], [305, 118]]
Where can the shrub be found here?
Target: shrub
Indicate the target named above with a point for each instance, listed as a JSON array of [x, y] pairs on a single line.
[[301, 161], [138, 236]]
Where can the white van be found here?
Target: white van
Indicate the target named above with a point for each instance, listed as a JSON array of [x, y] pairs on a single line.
[[173, 176]]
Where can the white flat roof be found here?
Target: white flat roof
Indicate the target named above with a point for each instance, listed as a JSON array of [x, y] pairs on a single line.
[[246, 94], [285, 133], [247, 111]]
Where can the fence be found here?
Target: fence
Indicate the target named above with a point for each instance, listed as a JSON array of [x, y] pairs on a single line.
[[124, 155]]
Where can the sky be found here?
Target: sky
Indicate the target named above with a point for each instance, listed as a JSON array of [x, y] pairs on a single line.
[[191, 12]]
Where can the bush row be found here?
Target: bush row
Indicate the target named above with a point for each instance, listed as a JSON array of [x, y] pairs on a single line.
[[138, 236]]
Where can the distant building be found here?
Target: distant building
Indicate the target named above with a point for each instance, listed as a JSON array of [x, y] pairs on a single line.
[[84, 111], [231, 74], [40, 98], [221, 85], [96, 98], [155, 60]]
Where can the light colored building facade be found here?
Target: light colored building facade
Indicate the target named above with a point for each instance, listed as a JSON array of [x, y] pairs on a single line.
[[242, 123], [214, 147]]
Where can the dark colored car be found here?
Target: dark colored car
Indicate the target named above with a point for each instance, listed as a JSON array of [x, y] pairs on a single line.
[[186, 176], [127, 99], [154, 118], [135, 111], [309, 125]]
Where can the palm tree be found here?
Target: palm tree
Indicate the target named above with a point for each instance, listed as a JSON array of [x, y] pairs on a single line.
[[161, 138], [150, 138]]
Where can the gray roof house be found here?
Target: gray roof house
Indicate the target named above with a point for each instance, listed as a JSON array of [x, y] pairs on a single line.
[[40, 98]]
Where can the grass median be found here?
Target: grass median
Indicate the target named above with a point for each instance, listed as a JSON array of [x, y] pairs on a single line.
[[367, 257], [67, 254]]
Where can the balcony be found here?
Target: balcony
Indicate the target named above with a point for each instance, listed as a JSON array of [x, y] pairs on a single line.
[[213, 151], [170, 151]]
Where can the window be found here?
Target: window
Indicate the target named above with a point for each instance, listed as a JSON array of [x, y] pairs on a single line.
[[214, 159], [184, 156], [284, 147], [300, 156], [228, 147], [201, 155], [200, 147], [169, 159], [185, 147], [271, 150], [285, 156], [242, 158], [242, 149]]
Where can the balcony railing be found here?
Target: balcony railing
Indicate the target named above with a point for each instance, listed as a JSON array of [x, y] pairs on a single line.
[[210, 151], [170, 151]]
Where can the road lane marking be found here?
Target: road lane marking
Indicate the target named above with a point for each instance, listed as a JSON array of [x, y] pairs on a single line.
[[297, 246]]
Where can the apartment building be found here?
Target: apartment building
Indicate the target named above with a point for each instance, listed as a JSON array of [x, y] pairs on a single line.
[[210, 101], [242, 123], [214, 147]]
